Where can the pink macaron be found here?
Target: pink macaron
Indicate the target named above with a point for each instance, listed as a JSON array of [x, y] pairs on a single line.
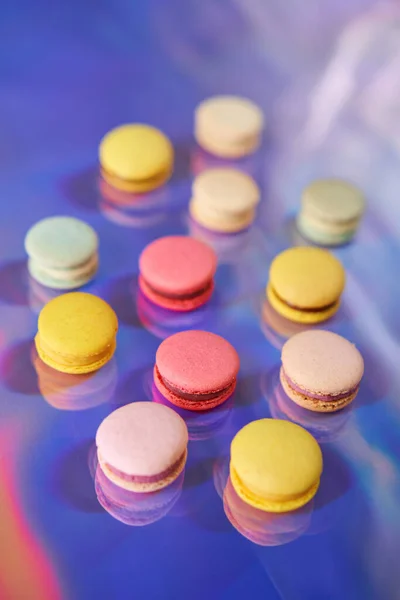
[[142, 447], [196, 370], [177, 272]]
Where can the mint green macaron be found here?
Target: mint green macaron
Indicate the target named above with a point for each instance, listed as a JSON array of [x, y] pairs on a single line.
[[63, 252], [331, 210]]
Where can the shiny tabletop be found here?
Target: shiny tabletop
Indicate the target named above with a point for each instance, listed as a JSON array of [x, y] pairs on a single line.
[[325, 81]]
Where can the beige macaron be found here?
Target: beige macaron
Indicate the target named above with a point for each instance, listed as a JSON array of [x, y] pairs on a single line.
[[321, 371], [224, 200], [228, 126]]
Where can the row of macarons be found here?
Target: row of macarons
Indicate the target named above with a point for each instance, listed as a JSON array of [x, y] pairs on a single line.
[[177, 272], [137, 158]]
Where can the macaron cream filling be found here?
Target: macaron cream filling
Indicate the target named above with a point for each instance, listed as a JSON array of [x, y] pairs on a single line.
[[169, 295], [118, 181], [52, 356], [307, 309], [193, 396], [271, 503], [66, 273], [314, 395], [176, 466]]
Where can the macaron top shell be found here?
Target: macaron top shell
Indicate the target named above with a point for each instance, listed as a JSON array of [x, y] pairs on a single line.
[[135, 152], [177, 265], [227, 189], [322, 362], [230, 116], [77, 325], [307, 277], [142, 438], [333, 200], [197, 361], [276, 459], [61, 242]]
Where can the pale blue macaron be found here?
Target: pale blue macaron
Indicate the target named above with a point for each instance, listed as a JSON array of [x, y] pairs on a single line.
[[63, 252], [323, 236]]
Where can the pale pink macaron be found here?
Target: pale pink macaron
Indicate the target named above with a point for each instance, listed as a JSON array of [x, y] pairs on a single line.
[[142, 447], [321, 371], [177, 272]]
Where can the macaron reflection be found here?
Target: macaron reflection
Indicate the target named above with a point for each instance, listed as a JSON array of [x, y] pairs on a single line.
[[227, 246], [65, 391], [276, 328], [132, 508], [201, 160], [325, 427], [162, 322], [39, 295], [263, 528], [201, 425], [132, 210]]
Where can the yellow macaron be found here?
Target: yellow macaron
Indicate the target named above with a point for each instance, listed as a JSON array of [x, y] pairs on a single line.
[[76, 333], [305, 284], [136, 158], [275, 465]]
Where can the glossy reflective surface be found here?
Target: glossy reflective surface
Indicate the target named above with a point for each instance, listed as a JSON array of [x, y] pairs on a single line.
[[70, 72]]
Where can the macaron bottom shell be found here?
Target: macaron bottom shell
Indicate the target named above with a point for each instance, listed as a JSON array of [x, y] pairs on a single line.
[[137, 186], [322, 235], [178, 304], [63, 279], [223, 223], [298, 315], [227, 148], [144, 487], [316, 405], [68, 364], [267, 504], [189, 404]]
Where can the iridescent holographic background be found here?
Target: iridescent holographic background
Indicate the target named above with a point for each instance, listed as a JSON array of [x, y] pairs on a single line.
[[327, 77]]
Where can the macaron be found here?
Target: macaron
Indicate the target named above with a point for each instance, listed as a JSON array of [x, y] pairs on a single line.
[[224, 200], [321, 371], [305, 284], [196, 370], [62, 252], [76, 333], [228, 126], [142, 447], [275, 465], [177, 272], [330, 212], [136, 158]]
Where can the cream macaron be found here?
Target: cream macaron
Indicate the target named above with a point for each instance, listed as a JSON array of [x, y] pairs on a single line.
[[224, 200], [228, 126]]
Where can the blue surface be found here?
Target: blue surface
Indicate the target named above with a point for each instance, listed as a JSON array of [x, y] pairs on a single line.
[[70, 72]]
